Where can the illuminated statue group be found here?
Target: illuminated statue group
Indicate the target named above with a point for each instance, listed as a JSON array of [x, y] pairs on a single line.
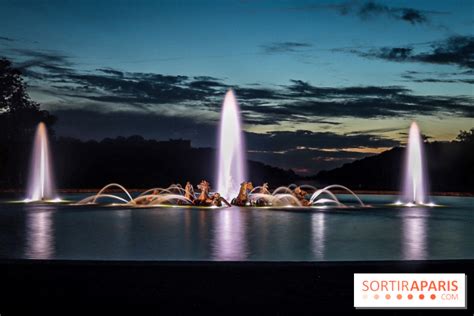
[[207, 198], [204, 199], [247, 196]]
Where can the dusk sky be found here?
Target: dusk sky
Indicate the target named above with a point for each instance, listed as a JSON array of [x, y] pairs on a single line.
[[320, 83]]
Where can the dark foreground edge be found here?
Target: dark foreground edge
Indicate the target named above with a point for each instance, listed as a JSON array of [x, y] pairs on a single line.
[[271, 286]]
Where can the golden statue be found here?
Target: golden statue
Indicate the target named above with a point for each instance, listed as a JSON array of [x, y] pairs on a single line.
[[242, 198]]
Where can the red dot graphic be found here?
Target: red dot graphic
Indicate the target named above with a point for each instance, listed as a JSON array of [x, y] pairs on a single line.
[[399, 296], [422, 296], [410, 296], [433, 296], [387, 296]]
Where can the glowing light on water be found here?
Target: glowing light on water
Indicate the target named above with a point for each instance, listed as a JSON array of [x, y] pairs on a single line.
[[318, 223], [40, 236], [230, 238], [414, 188], [414, 233], [231, 170], [40, 185]]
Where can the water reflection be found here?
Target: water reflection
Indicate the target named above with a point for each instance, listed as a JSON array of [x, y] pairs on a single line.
[[40, 240], [229, 242], [414, 233], [318, 234], [378, 233]]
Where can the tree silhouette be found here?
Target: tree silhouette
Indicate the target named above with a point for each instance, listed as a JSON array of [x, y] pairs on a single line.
[[466, 136], [19, 115]]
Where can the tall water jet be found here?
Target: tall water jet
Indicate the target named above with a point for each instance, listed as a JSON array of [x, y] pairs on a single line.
[[415, 183], [40, 185], [231, 170]]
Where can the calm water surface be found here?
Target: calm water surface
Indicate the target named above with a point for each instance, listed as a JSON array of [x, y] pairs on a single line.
[[381, 232]]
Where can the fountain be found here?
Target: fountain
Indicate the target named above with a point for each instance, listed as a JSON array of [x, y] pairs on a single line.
[[415, 182], [175, 196], [40, 185], [285, 197], [231, 175], [231, 170]]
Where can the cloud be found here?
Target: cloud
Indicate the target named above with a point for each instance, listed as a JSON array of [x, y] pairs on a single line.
[[6, 39], [40, 56], [285, 47], [297, 102], [433, 80], [438, 77], [136, 88], [368, 10], [110, 71], [455, 50], [302, 102], [300, 88], [41, 64], [285, 140], [371, 9], [207, 85], [200, 97]]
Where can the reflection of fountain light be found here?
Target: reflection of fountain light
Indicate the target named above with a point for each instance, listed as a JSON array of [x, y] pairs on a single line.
[[231, 157], [39, 235], [414, 234], [229, 240], [414, 187], [319, 239], [40, 186]]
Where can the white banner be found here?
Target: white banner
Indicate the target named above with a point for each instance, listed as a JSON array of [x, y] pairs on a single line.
[[410, 290]]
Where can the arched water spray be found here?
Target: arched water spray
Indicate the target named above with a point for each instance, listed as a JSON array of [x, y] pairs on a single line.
[[258, 189], [93, 199], [110, 186], [231, 170], [41, 184], [332, 186], [314, 198], [414, 185], [279, 190], [155, 191], [150, 197]]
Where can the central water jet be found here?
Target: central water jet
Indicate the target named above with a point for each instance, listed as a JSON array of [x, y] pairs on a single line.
[[415, 183], [231, 170], [40, 185]]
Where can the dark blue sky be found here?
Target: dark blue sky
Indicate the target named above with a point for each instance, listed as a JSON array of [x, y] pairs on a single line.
[[320, 83]]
